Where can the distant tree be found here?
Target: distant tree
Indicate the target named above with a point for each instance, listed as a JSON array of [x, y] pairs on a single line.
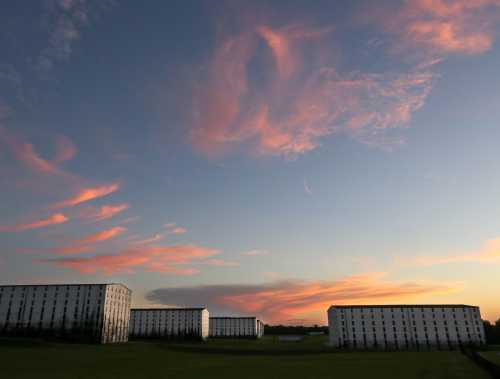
[[492, 332], [291, 329]]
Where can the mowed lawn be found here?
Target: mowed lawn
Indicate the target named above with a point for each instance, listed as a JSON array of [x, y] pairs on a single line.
[[240, 359], [493, 356]]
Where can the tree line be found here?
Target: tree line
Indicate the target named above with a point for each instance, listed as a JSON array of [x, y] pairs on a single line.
[[492, 332]]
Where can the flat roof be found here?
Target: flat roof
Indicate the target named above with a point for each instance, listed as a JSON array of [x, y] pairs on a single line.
[[169, 309], [405, 306], [63, 284], [242, 317]]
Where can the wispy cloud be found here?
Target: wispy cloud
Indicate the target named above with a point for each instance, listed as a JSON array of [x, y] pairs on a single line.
[[302, 102], [307, 188], [220, 263], [25, 153], [87, 194], [65, 20], [66, 150], [102, 235], [130, 220], [103, 212], [55, 219], [489, 253], [164, 259], [440, 27], [174, 229], [255, 253], [284, 300], [147, 241]]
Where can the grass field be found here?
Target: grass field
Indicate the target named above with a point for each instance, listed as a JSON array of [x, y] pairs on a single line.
[[221, 359], [493, 356]]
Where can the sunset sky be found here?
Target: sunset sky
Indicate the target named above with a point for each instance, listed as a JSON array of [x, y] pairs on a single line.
[[265, 158]]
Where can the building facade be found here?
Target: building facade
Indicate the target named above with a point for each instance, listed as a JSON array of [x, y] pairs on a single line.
[[236, 327], [397, 327], [90, 312], [169, 323]]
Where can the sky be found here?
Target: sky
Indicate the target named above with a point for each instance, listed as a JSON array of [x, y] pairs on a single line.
[[262, 158]]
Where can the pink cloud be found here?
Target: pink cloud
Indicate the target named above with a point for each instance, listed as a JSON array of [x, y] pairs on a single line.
[[178, 230], [172, 228], [55, 219], [282, 301], [164, 259], [255, 253], [302, 103], [101, 236], [220, 263], [444, 27], [66, 150], [85, 244], [87, 194], [130, 220], [147, 241], [25, 153], [103, 212]]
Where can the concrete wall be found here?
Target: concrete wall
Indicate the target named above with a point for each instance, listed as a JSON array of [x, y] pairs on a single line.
[[405, 327], [76, 311], [236, 327], [169, 323]]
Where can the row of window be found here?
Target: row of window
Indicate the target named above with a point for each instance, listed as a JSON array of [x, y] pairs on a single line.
[[424, 322], [411, 310]]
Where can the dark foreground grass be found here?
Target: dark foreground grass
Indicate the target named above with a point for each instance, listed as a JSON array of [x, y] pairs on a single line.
[[492, 356], [31, 359]]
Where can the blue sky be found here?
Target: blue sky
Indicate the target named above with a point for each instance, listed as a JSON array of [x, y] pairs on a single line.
[[261, 157]]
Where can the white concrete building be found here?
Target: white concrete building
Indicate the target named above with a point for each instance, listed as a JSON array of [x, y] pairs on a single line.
[[398, 327], [169, 323], [236, 327], [91, 312]]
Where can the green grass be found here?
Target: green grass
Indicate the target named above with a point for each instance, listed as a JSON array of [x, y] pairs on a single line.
[[492, 356], [240, 359]]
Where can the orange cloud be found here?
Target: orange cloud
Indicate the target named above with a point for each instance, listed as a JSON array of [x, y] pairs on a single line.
[[443, 27], [55, 219], [87, 194], [84, 244], [164, 259], [488, 254], [302, 102], [282, 301], [103, 235], [104, 212]]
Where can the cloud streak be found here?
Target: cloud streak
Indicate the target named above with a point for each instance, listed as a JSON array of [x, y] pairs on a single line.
[[147, 241], [172, 228], [280, 301], [255, 253], [104, 212], [101, 236], [87, 194], [55, 219], [489, 253], [173, 260]]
